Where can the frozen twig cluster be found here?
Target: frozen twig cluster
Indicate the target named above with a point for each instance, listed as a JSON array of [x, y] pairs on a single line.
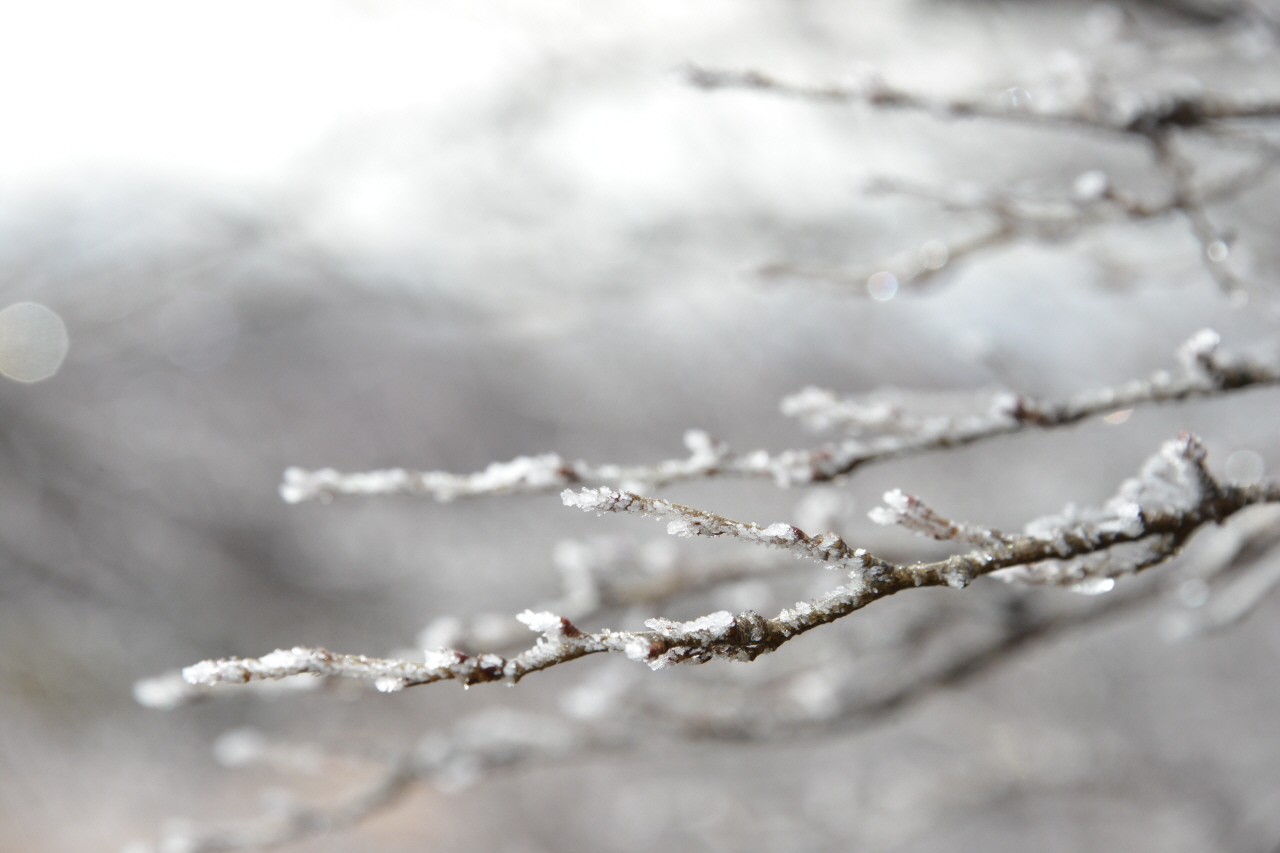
[[1157, 511]]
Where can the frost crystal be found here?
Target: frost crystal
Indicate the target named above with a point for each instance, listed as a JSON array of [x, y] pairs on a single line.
[[553, 627], [713, 626], [442, 658], [784, 532]]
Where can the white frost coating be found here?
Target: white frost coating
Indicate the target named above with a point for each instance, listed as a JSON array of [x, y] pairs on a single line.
[[524, 473], [819, 409], [285, 659], [211, 672], [713, 626], [682, 528], [542, 622], [442, 658], [780, 531], [1172, 480], [910, 512], [686, 521], [551, 626], [642, 650], [607, 500], [1126, 519]]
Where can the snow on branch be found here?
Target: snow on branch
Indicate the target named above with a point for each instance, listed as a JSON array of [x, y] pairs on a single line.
[[1208, 373], [1156, 512], [686, 521], [910, 512], [1205, 371], [522, 474]]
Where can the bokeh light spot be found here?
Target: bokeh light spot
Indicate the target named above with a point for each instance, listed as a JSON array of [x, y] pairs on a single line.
[[882, 286], [1245, 467], [934, 255], [33, 342]]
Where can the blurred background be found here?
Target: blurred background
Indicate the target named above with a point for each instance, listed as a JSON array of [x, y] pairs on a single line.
[[242, 236]]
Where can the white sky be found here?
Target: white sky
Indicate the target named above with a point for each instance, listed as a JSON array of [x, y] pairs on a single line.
[[406, 123], [231, 89]]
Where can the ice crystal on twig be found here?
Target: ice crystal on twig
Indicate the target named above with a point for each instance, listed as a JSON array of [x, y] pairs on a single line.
[[910, 512], [522, 474], [687, 521]]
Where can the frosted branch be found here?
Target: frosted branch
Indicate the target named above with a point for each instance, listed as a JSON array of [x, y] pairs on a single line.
[[910, 512], [1217, 374], [686, 521], [1158, 510], [522, 474]]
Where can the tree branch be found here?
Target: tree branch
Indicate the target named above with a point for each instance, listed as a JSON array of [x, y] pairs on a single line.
[[1151, 115], [1172, 497], [1207, 373]]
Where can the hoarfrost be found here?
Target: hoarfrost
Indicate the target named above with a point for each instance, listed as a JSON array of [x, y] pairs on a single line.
[[524, 473], [388, 684], [713, 626], [554, 628]]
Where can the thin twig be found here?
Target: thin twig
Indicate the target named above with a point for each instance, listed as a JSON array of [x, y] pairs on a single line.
[[1213, 373], [1172, 498]]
